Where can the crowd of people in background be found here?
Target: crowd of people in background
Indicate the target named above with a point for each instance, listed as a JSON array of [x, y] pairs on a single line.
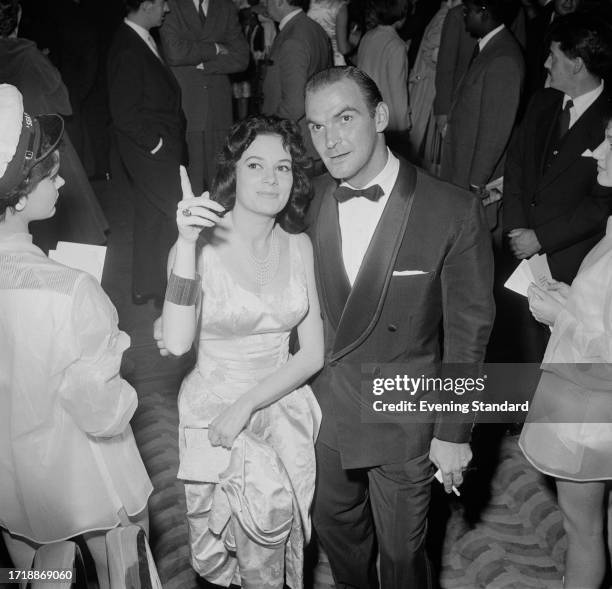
[[426, 147]]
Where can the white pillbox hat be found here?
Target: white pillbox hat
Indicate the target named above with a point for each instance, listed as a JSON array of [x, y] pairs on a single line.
[[24, 140]]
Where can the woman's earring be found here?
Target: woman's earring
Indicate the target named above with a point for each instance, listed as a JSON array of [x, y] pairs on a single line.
[[21, 204]]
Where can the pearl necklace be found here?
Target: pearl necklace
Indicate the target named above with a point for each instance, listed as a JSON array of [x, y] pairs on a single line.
[[266, 267]]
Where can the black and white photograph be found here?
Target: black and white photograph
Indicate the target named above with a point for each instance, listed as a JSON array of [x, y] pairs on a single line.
[[306, 294]]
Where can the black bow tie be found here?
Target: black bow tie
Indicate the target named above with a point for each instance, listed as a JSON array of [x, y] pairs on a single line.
[[344, 193]]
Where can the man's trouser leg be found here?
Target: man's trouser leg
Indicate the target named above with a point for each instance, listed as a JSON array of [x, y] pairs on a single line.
[[343, 521]]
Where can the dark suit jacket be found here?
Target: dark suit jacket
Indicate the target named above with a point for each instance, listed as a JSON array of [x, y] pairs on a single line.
[[300, 50], [482, 114], [538, 46], [456, 46], [145, 105], [387, 319], [145, 100], [562, 202], [206, 93]]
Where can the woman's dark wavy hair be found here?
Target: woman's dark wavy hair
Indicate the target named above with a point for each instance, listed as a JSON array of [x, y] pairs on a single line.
[[41, 170], [240, 137]]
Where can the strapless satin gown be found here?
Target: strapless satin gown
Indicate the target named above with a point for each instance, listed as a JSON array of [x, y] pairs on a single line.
[[244, 336]]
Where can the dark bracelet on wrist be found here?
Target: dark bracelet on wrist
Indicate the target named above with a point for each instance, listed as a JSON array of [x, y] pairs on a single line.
[[182, 291]]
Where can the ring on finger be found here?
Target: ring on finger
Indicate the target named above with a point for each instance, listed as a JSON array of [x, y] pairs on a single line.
[[186, 212]]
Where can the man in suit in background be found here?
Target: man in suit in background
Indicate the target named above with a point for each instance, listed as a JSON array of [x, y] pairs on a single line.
[[455, 53], [552, 203], [486, 101], [538, 39], [203, 43], [392, 273], [300, 49], [148, 124]]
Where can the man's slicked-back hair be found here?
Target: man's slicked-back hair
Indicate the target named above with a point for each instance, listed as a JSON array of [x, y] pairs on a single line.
[[369, 90], [133, 5], [584, 35]]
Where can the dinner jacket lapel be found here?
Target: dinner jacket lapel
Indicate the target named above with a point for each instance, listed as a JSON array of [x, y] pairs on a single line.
[[154, 61], [366, 298], [334, 285], [586, 133], [544, 134]]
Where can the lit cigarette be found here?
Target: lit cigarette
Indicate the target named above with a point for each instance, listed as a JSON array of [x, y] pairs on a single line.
[[438, 476]]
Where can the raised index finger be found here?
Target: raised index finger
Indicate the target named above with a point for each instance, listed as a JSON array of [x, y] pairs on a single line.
[[185, 183]]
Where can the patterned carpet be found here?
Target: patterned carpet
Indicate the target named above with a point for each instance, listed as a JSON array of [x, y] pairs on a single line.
[[518, 541], [515, 542]]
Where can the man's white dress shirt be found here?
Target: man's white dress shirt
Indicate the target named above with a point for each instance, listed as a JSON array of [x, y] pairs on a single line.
[[581, 103], [359, 217]]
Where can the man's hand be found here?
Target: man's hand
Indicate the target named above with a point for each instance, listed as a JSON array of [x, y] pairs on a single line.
[[441, 122], [494, 196], [158, 335], [452, 459], [221, 49], [524, 243]]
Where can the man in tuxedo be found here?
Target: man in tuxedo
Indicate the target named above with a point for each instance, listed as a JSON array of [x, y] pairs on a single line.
[[486, 101], [393, 273], [552, 203], [301, 48], [203, 43], [149, 130]]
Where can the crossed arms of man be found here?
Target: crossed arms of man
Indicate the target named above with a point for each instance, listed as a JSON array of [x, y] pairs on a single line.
[[225, 51]]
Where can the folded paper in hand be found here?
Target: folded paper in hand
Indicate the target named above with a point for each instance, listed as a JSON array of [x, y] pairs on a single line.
[[200, 461], [533, 270], [82, 256], [497, 184]]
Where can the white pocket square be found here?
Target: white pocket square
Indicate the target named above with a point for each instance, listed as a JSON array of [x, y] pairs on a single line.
[[408, 272], [587, 153]]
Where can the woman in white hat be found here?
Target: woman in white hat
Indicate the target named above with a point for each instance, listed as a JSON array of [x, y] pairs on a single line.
[[69, 464]]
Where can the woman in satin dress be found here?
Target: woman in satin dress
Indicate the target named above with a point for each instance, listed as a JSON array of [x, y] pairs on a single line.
[[568, 433], [239, 284]]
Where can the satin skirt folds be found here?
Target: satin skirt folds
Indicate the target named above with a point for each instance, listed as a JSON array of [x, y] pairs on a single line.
[[224, 547], [568, 433]]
